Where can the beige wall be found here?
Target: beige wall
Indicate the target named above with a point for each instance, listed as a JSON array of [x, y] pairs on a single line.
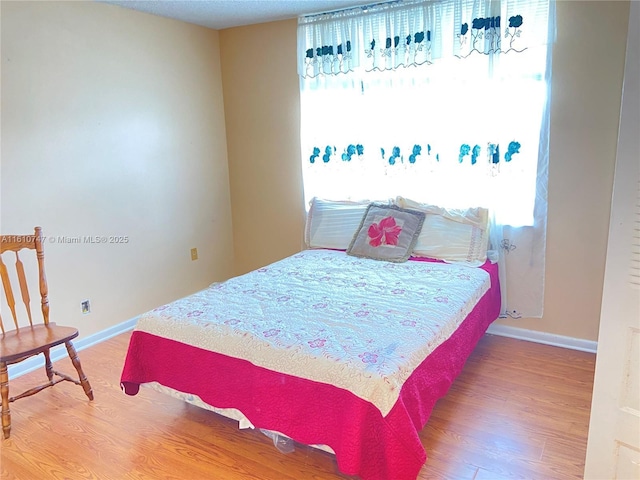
[[113, 124], [261, 98], [262, 111], [588, 68]]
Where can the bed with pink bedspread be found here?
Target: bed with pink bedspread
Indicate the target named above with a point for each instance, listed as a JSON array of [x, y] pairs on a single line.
[[325, 348]]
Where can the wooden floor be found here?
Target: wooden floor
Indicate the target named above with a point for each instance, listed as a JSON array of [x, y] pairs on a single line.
[[518, 410]]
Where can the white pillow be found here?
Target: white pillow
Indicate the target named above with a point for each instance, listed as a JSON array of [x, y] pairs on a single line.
[[332, 223], [452, 235]]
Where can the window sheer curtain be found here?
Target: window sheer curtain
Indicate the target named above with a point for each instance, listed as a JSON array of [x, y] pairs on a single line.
[[444, 102]]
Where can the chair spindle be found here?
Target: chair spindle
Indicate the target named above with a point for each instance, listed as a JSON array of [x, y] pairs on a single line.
[[8, 292], [44, 290], [24, 289]]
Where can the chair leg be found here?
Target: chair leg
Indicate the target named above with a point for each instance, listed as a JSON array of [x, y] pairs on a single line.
[[48, 366], [4, 391], [76, 363]]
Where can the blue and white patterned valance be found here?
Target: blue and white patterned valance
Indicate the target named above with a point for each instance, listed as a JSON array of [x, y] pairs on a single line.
[[415, 32]]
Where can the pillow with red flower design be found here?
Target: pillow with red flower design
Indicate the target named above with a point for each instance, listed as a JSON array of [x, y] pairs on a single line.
[[386, 232]]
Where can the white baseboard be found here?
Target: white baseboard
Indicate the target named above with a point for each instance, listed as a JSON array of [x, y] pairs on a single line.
[[494, 329], [543, 337], [60, 351]]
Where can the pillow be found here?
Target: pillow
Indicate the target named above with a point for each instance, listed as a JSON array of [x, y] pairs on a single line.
[[332, 224], [387, 232], [452, 235]]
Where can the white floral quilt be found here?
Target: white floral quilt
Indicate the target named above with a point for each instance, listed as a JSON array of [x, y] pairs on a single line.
[[361, 325]]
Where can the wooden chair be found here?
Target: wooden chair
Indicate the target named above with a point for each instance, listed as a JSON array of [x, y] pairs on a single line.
[[29, 340]]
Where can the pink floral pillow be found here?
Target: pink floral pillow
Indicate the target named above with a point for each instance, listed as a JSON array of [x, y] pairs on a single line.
[[387, 232]]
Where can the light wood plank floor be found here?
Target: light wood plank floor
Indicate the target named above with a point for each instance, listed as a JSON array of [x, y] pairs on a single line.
[[518, 410]]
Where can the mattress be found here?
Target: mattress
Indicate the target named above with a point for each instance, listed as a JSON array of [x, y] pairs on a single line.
[[326, 348]]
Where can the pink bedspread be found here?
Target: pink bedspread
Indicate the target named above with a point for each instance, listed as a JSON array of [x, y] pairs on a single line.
[[366, 443]]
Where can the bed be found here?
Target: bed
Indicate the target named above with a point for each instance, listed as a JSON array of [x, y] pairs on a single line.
[[325, 348]]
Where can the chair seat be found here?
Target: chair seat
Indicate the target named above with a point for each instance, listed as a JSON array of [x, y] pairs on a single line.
[[28, 341]]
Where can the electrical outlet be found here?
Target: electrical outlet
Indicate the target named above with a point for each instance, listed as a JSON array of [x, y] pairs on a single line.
[[194, 254], [85, 306]]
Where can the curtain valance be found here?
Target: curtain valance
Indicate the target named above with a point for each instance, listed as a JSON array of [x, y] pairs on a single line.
[[403, 33]]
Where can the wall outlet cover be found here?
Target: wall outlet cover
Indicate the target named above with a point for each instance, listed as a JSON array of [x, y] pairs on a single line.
[[86, 307]]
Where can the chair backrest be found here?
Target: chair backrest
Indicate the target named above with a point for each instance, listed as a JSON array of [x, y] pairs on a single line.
[[15, 244]]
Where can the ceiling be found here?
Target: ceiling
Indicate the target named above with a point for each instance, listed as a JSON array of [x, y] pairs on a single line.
[[220, 14]]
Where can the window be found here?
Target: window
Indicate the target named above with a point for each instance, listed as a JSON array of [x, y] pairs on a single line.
[[457, 131], [444, 102]]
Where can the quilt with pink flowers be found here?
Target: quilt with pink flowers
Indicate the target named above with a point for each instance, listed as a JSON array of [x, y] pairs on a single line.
[[320, 331]]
